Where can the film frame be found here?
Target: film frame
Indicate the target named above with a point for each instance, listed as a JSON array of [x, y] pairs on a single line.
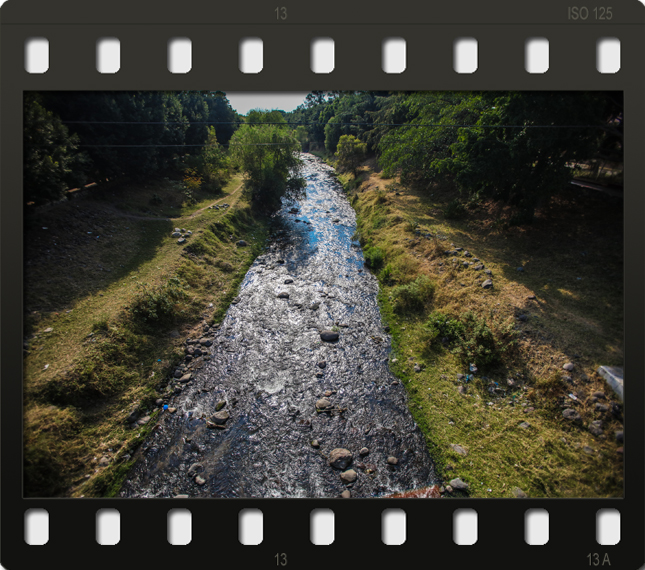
[[501, 29]]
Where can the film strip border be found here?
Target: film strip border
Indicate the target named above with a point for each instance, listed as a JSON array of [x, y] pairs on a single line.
[[501, 32], [397, 57]]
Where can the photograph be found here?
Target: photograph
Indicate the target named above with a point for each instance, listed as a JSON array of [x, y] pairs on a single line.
[[325, 294]]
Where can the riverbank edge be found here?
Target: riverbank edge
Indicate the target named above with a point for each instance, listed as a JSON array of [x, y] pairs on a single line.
[[531, 480], [83, 447]]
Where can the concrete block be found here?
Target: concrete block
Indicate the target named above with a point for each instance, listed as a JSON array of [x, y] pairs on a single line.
[[614, 377]]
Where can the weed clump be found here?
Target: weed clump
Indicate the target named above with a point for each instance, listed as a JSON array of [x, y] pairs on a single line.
[[454, 210], [159, 305], [471, 338], [413, 296], [373, 257]]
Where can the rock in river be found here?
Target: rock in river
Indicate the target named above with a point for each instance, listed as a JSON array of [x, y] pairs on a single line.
[[329, 336], [348, 476], [323, 404], [340, 458], [220, 417]]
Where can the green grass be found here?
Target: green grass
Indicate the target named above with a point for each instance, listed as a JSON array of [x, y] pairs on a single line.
[[574, 273], [110, 346]]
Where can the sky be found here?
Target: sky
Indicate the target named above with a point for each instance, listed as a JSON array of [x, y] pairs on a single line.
[[244, 101]]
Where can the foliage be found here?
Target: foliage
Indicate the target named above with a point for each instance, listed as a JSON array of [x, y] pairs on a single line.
[[192, 184], [413, 296], [159, 305], [269, 156], [513, 147], [349, 153], [454, 210], [52, 162], [373, 257], [471, 338]]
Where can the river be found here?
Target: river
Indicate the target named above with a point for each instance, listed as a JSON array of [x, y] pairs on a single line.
[[269, 366]]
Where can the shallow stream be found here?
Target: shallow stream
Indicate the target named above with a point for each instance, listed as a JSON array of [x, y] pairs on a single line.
[[267, 362]]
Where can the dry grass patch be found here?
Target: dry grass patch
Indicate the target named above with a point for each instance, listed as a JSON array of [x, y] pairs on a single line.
[[564, 305]]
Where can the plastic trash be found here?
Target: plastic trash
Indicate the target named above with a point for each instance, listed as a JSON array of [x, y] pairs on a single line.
[[165, 407]]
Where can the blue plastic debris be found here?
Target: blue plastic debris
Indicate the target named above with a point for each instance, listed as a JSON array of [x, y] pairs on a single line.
[[165, 407]]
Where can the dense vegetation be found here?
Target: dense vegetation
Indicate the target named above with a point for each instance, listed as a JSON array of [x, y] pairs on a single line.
[[75, 138], [518, 148]]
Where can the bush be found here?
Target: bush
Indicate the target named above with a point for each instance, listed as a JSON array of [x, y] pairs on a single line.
[[413, 296], [454, 210], [158, 305], [471, 338], [373, 257]]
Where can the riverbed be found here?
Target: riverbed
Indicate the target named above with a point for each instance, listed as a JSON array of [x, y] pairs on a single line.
[[268, 369]]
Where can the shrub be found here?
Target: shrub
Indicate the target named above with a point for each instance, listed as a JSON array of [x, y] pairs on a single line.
[[373, 257], [471, 338], [454, 210], [158, 305], [413, 296]]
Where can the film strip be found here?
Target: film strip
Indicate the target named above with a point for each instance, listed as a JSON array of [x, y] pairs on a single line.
[[255, 47]]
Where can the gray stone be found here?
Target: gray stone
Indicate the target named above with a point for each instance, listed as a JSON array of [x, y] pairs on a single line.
[[104, 461], [315, 443], [186, 378], [205, 342], [488, 284], [200, 480], [619, 436], [288, 281], [588, 450], [195, 468], [602, 408], [133, 416], [220, 405], [364, 451], [143, 421], [329, 336], [459, 485], [175, 235], [572, 415], [596, 428], [346, 494], [283, 295], [181, 240], [525, 425], [392, 460], [348, 476], [220, 418], [242, 243], [417, 368], [322, 364], [568, 366], [323, 403], [458, 449], [517, 492], [340, 458]]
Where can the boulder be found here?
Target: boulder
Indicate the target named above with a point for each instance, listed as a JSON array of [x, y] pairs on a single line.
[[348, 476], [340, 458], [329, 336], [458, 485]]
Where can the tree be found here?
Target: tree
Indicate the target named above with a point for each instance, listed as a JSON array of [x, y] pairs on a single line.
[[513, 147], [349, 154], [52, 163], [269, 156]]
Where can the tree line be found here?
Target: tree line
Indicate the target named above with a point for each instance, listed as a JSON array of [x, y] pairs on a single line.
[[516, 147]]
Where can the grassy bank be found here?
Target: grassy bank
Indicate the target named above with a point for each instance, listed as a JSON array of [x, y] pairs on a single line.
[[556, 299], [110, 298]]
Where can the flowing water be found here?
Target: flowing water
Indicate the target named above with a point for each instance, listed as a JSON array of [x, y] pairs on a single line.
[[266, 363]]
